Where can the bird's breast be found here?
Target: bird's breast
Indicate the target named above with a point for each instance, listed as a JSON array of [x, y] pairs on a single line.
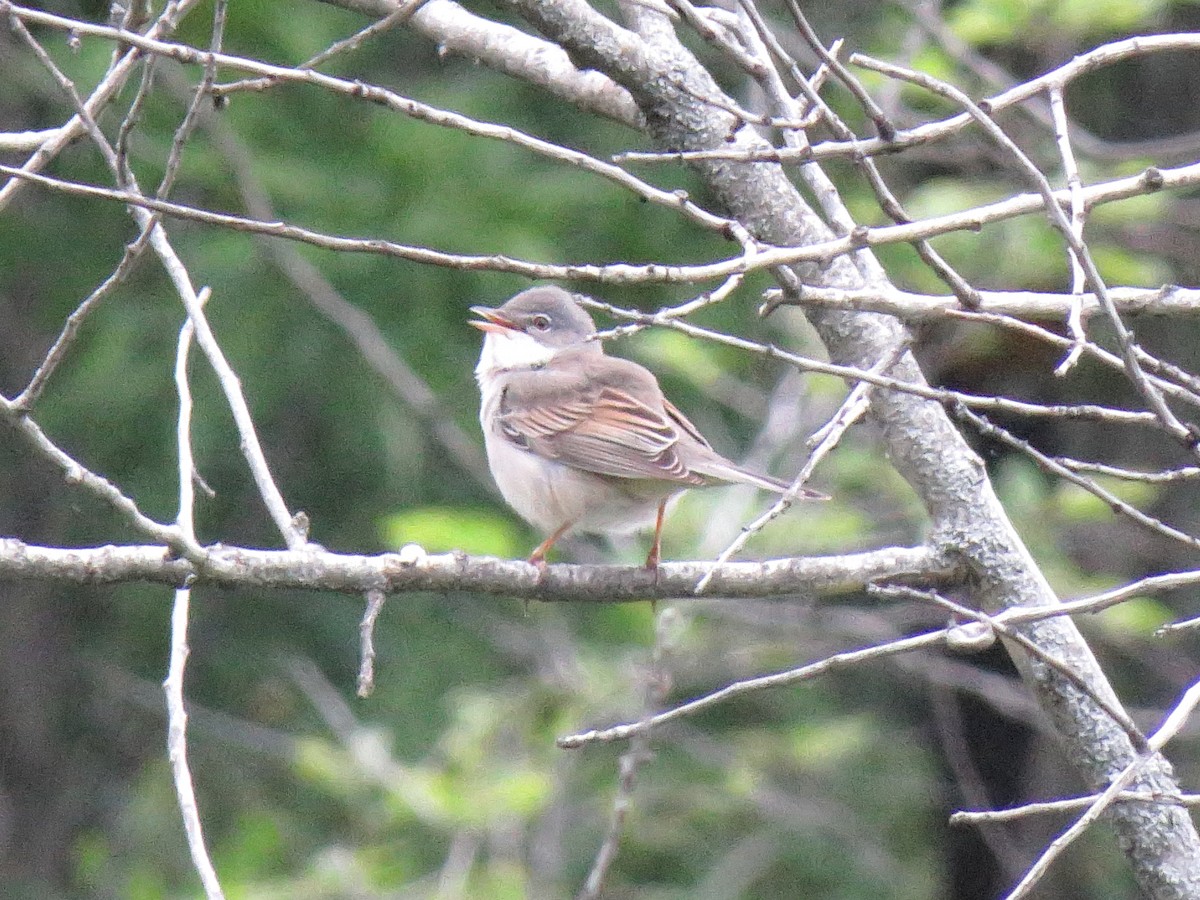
[[549, 494]]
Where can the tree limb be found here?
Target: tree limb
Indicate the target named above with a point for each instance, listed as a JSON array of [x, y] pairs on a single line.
[[927, 450], [414, 570], [513, 52]]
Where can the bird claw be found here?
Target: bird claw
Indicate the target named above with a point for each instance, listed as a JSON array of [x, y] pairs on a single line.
[[652, 567], [538, 561]]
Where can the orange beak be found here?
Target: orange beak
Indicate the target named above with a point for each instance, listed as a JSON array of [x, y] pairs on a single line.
[[491, 320]]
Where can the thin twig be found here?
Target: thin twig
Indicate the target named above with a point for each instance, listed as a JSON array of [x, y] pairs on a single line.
[[75, 473], [985, 427], [366, 642], [1119, 717], [403, 105], [1026, 305], [637, 753], [1085, 411], [359, 327], [1186, 473], [1062, 136], [1171, 725], [289, 525], [1083, 64], [112, 83], [765, 258], [750, 685], [25, 400], [1045, 807], [402, 14], [173, 686], [851, 410], [1058, 218]]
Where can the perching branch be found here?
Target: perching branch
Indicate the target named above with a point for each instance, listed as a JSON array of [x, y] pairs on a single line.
[[923, 444], [413, 570]]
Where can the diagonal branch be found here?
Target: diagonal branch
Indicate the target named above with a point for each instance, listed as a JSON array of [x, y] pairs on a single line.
[[511, 51], [924, 446]]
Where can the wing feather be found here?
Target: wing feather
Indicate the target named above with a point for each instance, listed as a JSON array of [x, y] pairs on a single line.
[[599, 428]]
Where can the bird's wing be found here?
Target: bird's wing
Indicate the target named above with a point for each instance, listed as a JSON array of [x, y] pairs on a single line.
[[598, 426], [684, 424]]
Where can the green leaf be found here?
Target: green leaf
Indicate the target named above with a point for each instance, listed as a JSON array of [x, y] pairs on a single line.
[[1078, 504], [1135, 616], [441, 528]]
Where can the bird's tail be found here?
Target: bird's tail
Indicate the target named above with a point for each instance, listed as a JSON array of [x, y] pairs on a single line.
[[724, 470]]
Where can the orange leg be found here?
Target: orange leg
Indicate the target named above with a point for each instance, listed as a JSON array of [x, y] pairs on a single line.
[[538, 556], [656, 547]]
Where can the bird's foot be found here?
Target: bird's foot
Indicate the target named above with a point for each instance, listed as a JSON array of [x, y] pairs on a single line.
[[653, 558], [652, 567], [538, 561]]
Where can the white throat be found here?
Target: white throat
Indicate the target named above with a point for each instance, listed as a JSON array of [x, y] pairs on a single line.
[[506, 351]]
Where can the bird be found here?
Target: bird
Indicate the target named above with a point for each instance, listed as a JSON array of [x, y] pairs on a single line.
[[579, 440]]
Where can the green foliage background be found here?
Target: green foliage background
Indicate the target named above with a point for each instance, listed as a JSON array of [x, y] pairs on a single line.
[[446, 782]]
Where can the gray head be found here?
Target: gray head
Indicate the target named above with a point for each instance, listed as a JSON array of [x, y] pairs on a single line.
[[548, 314]]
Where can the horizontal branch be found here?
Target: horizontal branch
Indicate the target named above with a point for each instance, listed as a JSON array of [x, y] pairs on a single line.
[[27, 140], [627, 273], [903, 139], [381, 96], [1027, 305], [414, 570], [1027, 810]]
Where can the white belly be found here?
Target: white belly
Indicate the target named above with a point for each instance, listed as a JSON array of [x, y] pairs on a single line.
[[549, 495]]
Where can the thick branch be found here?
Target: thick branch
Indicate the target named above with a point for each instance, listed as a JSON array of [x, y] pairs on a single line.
[[505, 49], [413, 570], [665, 81]]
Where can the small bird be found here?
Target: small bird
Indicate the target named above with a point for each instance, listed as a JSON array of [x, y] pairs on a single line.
[[579, 440]]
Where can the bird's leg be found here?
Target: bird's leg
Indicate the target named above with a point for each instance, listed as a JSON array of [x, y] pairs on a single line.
[[538, 556], [656, 551], [656, 548]]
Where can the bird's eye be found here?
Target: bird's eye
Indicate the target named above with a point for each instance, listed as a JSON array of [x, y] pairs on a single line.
[[541, 322]]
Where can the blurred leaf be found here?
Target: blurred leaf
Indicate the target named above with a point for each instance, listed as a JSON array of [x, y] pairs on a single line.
[[1078, 504], [439, 529], [666, 350], [1139, 616], [828, 745]]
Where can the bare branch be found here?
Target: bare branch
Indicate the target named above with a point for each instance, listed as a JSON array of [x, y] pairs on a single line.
[[765, 259], [852, 409], [173, 686], [176, 747], [1084, 63], [1027, 305], [1026, 810], [738, 688], [177, 272], [1080, 253], [75, 473], [366, 643], [413, 570], [103, 94], [1046, 462], [1166, 731], [513, 52], [922, 442]]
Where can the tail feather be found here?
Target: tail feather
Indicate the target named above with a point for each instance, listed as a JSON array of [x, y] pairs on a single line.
[[724, 470]]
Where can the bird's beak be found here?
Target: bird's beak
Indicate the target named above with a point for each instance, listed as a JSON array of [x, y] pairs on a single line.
[[492, 320]]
